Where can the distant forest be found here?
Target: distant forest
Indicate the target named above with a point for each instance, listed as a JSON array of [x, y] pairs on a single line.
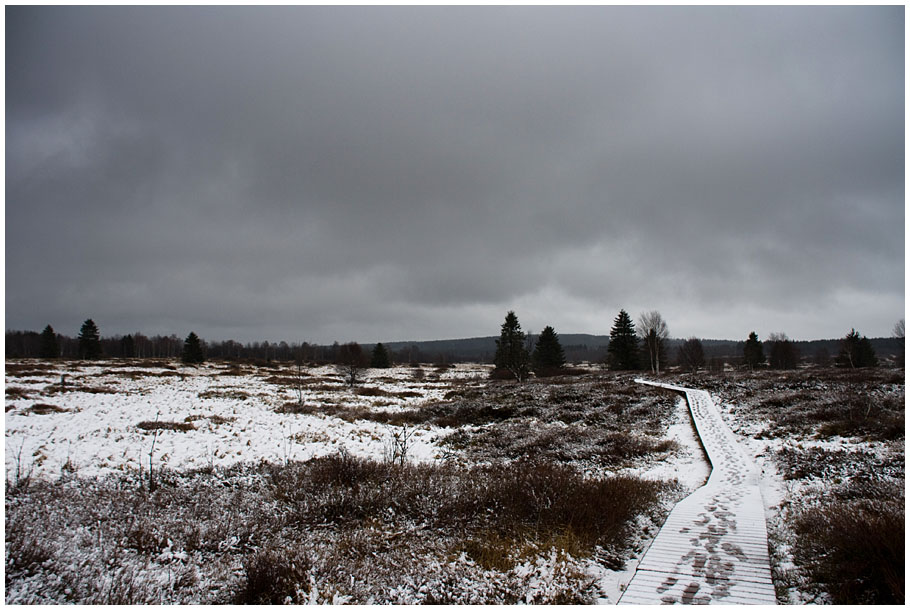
[[577, 347]]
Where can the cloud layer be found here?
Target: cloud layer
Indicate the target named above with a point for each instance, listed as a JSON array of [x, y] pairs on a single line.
[[411, 173]]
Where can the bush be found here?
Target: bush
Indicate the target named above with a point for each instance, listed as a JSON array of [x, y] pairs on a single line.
[[273, 576], [502, 375], [40, 408], [854, 551]]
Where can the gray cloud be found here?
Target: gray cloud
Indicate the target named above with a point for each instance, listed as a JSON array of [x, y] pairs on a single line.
[[389, 173]]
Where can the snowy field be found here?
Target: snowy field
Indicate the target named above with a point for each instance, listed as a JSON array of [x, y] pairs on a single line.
[[91, 423], [270, 475], [68, 422]]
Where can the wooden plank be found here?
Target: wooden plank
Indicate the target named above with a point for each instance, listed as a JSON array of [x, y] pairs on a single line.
[[713, 547]]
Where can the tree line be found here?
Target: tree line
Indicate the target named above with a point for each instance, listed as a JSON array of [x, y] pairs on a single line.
[[630, 347], [50, 344], [645, 348]]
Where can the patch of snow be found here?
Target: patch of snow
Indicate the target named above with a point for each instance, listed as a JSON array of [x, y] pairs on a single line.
[[235, 418]]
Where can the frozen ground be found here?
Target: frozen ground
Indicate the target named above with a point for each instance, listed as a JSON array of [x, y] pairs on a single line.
[[809, 434], [94, 422], [92, 427], [824, 439]]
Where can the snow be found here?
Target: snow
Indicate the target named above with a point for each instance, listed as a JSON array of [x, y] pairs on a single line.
[[97, 433], [689, 466], [235, 419]]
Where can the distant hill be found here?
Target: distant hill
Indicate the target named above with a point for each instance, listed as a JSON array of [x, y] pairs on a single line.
[[578, 347], [593, 348]]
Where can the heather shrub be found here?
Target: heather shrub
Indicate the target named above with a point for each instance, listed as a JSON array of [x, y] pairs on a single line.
[[854, 551], [176, 426], [275, 576]]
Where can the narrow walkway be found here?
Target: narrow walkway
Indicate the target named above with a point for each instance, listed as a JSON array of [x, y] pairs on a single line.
[[713, 548]]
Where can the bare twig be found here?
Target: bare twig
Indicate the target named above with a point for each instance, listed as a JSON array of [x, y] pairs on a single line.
[[152, 485]]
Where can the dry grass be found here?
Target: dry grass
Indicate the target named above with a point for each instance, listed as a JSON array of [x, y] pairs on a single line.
[[215, 419], [854, 550], [69, 387], [13, 393], [166, 425], [224, 393], [40, 408], [335, 525], [274, 576], [31, 369]]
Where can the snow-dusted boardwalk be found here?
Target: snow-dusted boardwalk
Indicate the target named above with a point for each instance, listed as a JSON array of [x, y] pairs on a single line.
[[713, 547]]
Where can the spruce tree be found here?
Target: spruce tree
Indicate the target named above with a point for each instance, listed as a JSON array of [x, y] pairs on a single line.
[[192, 350], [380, 357], [548, 357], [89, 341], [622, 352], [128, 347], [753, 354], [511, 353], [856, 351], [49, 346]]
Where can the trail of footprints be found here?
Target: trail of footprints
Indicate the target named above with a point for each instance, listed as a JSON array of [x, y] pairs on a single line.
[[713, 548]]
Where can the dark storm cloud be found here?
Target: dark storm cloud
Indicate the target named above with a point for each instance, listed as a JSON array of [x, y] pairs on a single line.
[[386, 173]]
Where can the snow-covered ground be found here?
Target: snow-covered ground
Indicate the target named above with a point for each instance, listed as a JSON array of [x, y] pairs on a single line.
[[858, 455], [92, 425], [89, 425]]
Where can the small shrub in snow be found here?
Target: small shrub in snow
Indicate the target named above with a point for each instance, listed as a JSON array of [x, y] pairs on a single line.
[[275, 576], [40, 408], [854, 551], [177, 426]]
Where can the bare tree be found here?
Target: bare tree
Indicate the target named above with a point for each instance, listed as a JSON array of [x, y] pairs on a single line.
[[298, 375], [351, 362], [652, 329], [784, 353], [898, 333], [692, 355]]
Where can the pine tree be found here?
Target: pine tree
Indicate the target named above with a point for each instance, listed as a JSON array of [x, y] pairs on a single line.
[[128, 346], [380, 357], [89, 341], [753, 354], [192, 350], [49, 346], [548, 357], [856, 352], [511, 353], [622, 352]]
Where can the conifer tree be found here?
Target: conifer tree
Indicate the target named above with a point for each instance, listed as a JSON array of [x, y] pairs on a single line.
[[192, 350], [380, 357], [548, 357], [511, 353], [89, 341], [856, 352], [622, 352], [128, 346], [753, 354], [49, 346]]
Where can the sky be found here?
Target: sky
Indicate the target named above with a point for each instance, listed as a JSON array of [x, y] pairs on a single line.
[[383, 174]]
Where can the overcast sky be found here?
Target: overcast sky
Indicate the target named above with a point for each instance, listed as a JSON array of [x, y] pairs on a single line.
[[381, 174]]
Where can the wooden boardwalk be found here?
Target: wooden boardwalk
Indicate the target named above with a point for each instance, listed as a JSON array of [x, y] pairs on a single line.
[[713, 548]]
